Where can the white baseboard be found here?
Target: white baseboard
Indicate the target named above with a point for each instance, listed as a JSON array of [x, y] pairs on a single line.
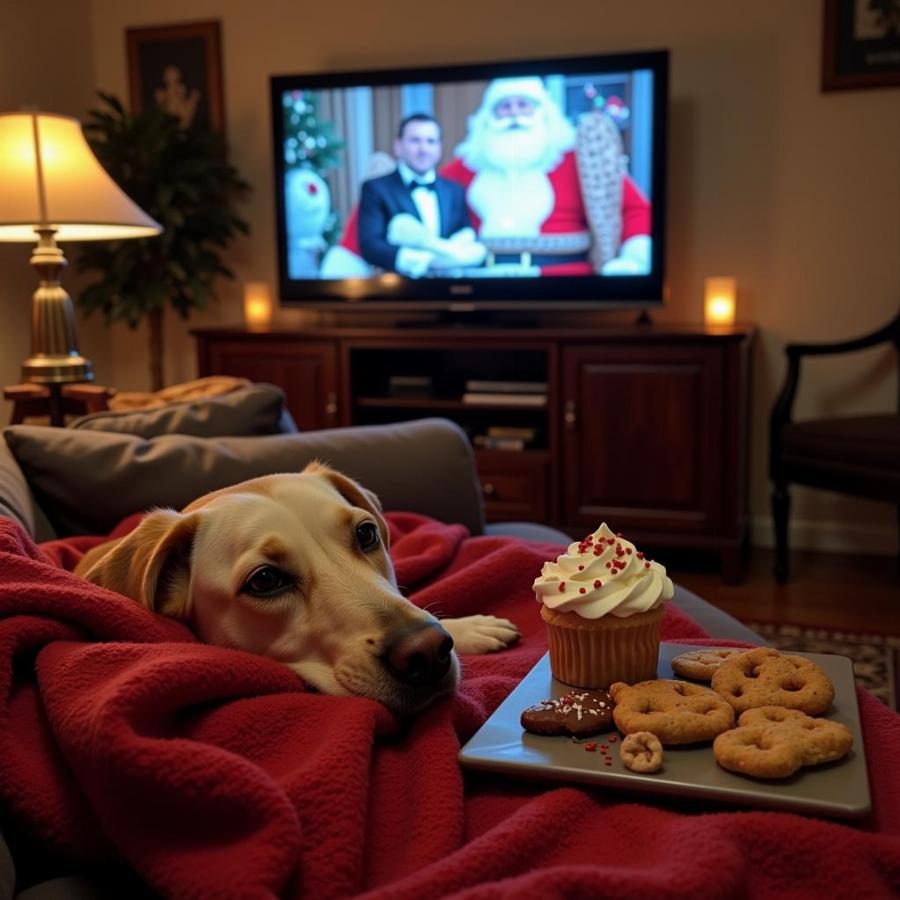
[[829, 537]]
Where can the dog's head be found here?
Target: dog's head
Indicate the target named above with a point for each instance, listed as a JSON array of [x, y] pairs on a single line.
[[294, 567]]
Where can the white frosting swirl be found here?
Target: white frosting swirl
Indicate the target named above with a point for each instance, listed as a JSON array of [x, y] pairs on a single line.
[[603, 575]]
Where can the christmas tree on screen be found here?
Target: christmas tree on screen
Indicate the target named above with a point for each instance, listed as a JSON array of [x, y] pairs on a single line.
[[310, 150]]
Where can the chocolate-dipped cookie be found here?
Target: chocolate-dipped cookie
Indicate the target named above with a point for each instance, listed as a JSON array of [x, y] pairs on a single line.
[[577, 713]]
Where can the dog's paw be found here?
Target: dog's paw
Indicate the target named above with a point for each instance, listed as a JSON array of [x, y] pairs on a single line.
[[481, 634]]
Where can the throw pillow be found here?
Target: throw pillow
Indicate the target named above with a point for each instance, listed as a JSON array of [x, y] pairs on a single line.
[[253, 410], [88, 481]]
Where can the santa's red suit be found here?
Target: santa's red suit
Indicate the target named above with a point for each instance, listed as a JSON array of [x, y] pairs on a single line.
[[566, 217], [568, 214]]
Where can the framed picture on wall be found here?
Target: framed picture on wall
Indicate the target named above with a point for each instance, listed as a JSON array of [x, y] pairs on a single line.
[[178, 67], [861, 44]]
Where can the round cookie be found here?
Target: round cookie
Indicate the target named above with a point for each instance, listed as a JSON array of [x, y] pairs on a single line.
[[578, 713], [677, 712], [700, 664], [641, 752], [772, 742], [765, 677]]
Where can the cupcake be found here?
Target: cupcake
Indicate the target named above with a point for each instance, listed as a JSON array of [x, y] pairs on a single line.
[[603, 602]]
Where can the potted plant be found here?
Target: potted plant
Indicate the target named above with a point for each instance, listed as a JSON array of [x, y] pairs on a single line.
[[182, 178]]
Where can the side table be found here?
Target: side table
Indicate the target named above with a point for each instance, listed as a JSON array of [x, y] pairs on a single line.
[[56, 401]]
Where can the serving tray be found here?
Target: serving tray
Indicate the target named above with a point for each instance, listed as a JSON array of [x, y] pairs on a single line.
[[839, 789]]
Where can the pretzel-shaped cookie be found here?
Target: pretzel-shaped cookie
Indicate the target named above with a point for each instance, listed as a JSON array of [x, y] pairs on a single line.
[[675, 711], [701, 664], [765, 677], [773, 742]]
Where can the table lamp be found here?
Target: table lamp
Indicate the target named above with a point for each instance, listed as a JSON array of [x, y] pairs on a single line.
[[53, 188]]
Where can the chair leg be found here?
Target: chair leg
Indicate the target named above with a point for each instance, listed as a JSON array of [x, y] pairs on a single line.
[[781, 508]]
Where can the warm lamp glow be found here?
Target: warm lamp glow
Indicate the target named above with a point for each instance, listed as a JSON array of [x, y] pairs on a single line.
[[50, 178], [719, 305], [257, 303]]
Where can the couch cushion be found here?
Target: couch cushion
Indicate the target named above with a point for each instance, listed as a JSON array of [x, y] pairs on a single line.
[[15, 499], [253, 410], [88, 481]]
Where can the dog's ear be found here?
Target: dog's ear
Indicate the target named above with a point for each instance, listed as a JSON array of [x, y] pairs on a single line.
[[152, 563], [355, 494]]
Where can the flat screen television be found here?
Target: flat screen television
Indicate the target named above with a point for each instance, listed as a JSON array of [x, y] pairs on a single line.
[[536, 184]]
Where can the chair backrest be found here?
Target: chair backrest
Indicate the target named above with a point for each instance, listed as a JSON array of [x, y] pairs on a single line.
[[888, 333]]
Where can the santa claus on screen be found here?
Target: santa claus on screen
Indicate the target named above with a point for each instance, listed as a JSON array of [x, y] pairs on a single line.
[[545, 197], [545, 193]]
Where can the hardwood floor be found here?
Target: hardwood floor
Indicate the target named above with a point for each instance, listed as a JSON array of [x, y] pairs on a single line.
[[859, 593]]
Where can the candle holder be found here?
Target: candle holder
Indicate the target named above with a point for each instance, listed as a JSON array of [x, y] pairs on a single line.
[[719, 302], [257, 304]]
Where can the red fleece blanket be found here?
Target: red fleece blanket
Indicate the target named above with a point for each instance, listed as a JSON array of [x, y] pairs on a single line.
[[213, 774]]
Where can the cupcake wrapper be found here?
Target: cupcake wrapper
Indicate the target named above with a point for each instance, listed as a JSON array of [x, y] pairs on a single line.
[[594, 654]]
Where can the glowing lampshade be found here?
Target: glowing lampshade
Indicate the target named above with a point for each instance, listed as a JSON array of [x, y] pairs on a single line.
[[50, 178]]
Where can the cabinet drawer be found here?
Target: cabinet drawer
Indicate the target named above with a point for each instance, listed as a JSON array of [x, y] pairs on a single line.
[[514, 485]]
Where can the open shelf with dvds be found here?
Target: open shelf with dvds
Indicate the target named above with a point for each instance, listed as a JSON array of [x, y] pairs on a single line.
[[499, 399]]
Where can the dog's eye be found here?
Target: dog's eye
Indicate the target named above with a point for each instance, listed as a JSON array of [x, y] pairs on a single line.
[[266, 581], [367, 536]]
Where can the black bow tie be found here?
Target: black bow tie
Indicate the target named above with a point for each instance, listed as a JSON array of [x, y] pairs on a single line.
[[428, 185]]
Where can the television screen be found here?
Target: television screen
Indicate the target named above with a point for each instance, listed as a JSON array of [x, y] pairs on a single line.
[[515, 184]]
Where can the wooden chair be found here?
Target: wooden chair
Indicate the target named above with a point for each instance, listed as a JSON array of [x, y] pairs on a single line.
[[857, 455]]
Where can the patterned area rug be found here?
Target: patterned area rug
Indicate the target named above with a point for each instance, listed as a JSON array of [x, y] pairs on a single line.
[[876, 657]]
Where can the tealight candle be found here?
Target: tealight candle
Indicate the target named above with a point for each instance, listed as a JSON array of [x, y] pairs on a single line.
[[719, 305], [257, 303]]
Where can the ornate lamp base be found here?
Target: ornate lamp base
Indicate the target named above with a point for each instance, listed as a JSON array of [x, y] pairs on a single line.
[[55, 358]]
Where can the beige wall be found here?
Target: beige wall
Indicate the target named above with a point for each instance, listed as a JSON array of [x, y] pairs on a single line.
[[795, 192]]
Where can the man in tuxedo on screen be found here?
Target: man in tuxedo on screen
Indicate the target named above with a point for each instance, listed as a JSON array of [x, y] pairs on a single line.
[[412, 221]]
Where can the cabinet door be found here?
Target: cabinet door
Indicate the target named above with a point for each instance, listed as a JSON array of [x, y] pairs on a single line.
[[305, 371], [643, 438], [513, 484]]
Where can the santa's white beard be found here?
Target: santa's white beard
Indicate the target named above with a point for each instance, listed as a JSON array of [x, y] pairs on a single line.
[[521, 143], [511, 204], [511, 193]]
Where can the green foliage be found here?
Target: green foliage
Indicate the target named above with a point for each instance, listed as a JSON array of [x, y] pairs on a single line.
[[310, 143], [179, 176]]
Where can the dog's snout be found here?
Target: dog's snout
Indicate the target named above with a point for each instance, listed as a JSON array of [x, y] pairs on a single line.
[[420, 656]]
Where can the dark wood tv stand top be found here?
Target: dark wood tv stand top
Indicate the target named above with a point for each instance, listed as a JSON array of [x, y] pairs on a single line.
[[652, 331], [643, 425]]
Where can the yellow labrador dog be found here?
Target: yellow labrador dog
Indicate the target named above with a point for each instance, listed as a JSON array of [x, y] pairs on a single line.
[[295, 567]]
